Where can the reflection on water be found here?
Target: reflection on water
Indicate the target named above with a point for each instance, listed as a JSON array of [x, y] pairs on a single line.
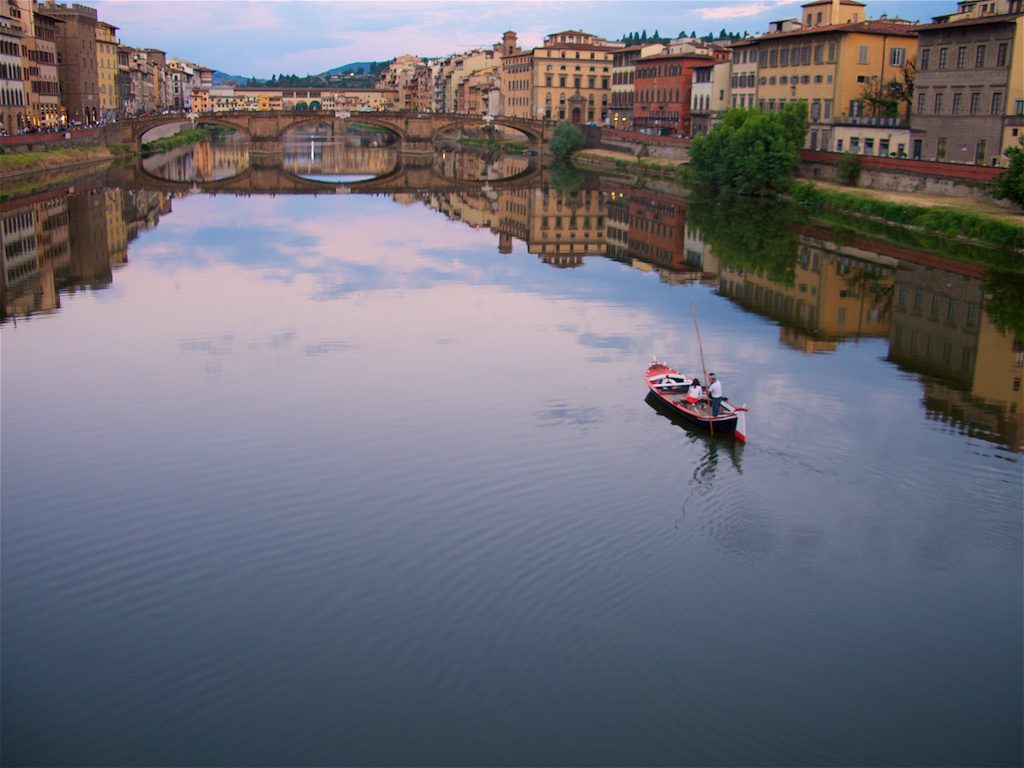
[[384, 461], [827, 290], [220, 158]]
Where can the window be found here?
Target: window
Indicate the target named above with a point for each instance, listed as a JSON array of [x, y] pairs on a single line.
[[975, 99], [869, 146], [961, 57], [883, 147], [956, 104], [938, 104], [943, 53], [920, 102], [819, 53], [862, 57], [1018, 107], [897, 56], [940, 148], [828, 108], [926, 56], [784, 57], [979, 58], [997, 103], [839, 145], [855, 145], [1001, 55]]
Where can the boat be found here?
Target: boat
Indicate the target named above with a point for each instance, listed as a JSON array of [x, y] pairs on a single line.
[[669, 388]]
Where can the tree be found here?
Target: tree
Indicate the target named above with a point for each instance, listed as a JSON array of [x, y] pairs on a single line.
[[884, 99], [751, 152], [1009, 184], [566, 138]]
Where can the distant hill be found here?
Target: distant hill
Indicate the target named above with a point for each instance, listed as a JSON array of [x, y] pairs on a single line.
[[219, 78], [366, 66]]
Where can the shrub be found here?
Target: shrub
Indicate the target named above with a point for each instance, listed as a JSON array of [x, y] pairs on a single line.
[[848, 169], [1010, 183], [751, 152], [566, 138]]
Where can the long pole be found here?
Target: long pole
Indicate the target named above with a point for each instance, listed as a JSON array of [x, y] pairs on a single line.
[[703, 367]]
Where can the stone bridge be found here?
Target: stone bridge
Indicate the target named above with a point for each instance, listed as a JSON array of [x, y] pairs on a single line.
[[415, 132], [266, 175]]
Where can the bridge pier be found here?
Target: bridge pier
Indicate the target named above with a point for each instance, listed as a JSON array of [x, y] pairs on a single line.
[[416, 146]]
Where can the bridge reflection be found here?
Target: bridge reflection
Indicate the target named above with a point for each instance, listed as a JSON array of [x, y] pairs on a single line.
[[292, 167], [822, 286]]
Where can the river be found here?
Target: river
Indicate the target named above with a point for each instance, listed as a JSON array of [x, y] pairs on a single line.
[[370, 479]]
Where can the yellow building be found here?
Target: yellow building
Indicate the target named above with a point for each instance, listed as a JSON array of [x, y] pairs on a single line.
[[559, 228], [568, 78], [106, 65], [829, 62]]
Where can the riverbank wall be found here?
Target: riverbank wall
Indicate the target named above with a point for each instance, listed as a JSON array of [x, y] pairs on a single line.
[[893, 174]]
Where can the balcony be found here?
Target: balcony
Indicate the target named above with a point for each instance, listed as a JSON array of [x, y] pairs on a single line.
[[877, 122]]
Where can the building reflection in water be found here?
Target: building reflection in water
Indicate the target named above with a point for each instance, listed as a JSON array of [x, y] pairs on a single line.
[[64, 241], [932, 311], [214, 160]]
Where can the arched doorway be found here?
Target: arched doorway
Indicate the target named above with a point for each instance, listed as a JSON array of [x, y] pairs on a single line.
[[577, 115]]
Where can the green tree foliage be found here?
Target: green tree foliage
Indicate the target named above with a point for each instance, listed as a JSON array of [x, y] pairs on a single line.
[[755, 235], [565, 178], [566, 139], [1004, 303], [848, 169], [751, 152], [1009, 184]]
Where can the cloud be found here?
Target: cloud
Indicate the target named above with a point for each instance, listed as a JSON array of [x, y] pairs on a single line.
[[738, 11]]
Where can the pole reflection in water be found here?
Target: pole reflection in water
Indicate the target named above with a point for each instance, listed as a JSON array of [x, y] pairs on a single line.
[[383, 460]]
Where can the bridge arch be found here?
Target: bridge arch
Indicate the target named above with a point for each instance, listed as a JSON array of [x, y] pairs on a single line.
[[463, 121], [142, 128]]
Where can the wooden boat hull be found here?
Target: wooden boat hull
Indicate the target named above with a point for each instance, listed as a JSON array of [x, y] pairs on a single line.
[[671, 399]]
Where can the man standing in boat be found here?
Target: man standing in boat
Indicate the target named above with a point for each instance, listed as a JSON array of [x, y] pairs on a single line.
[[715, 393]]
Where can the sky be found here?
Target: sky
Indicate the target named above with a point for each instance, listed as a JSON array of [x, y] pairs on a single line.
[[259, 38]]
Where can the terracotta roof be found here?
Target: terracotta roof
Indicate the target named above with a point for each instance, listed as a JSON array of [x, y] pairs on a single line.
[[663, 56], [829, 2], [872, 27], [1000, 18]]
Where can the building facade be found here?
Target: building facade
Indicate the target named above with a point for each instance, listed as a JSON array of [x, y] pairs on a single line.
[[969, 90], [663, 88], [830, 64], [13, 96], [77, 62], [568, 78], [106, 69], [39, 63]]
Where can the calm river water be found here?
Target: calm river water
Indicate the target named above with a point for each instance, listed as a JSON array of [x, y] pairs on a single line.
[[370, 479]]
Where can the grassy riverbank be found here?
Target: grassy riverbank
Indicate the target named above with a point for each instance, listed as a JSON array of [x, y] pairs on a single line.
[[949, 217], [953, 218], [183, 138], [51, 159], [497, 146]]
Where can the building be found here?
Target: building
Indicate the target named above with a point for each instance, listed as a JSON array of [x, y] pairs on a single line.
[[77, 63], [13, 96], [830, 62], [183, 79], [743, 74], [700, 100], [663, 87], [106, 69], [969, 89], [568, 78], [39, 63]]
